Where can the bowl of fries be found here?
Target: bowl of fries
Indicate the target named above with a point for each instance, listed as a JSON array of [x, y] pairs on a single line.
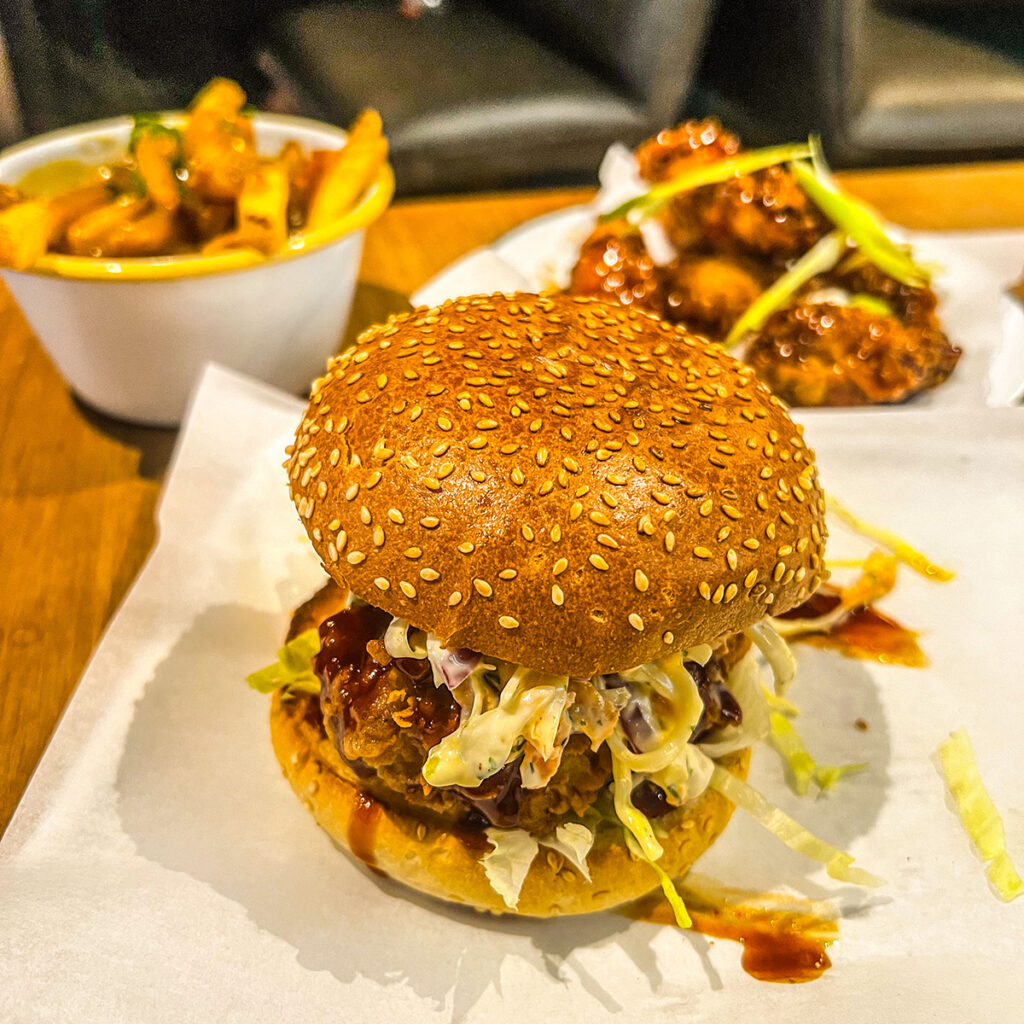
[[139, 248]]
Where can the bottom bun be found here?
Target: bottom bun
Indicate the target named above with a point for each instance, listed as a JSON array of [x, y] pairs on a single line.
[[446, 862]]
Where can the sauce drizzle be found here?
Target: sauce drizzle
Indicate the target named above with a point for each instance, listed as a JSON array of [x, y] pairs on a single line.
[[781, 942], [864, 633], [362, 830]]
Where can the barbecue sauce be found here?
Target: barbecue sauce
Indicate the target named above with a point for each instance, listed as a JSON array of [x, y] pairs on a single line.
[[782, 946], [865, 633], [362, 830]]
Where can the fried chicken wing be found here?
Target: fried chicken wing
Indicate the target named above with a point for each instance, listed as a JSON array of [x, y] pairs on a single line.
[[826, 354]]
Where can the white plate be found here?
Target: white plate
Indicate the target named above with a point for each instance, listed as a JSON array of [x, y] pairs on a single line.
[[160, 869], [976, 268]]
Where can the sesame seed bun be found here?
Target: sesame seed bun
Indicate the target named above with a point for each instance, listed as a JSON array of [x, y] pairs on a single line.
[[446, 863], [557, 481]]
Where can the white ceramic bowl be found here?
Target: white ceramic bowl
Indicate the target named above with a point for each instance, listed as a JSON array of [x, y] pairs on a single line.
[[131, 335]]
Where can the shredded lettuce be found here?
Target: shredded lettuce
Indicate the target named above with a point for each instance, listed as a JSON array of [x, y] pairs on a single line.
[[804, 769], [293, 670], [899, 547], [667, 885], [650, 202], [508, 862], [635, 821], [959, 767], [819, 259], [838, 864]]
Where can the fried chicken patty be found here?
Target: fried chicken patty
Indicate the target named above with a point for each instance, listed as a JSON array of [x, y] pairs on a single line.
[[383, 715]]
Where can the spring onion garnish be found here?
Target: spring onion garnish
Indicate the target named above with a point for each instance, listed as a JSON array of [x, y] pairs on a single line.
[[978, 813], [819, 259], [899, 547], [803, 768], [856, 219], [649, 203], [293, 669]]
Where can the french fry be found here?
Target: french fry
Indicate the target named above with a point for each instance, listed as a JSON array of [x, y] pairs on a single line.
[[153, 233], [157, 149], [24, 233], [218, 141], [65, 209], [262, 213], [89, 234], [351, 171]]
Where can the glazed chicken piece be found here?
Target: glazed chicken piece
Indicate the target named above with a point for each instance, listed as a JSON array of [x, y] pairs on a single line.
[[763, 214], [911, 305], [614, 264], [826, 354], [671, 152], [709, 293]]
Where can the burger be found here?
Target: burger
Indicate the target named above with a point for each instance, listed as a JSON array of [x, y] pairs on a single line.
[[554, 528]]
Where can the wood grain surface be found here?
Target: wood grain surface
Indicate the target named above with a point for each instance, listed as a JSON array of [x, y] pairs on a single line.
[[78, 492]]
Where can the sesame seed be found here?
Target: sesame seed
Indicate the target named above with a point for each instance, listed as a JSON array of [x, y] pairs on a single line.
[[507, 622], [381, 584], [716, 597], [640, 581], [507, 574], [670, 542], [413, 552], [779, 571], [454, 598], [372, 480], [731, 559], [355, 557], [482, 587], [598, 563], [466, 547], [668, 636], [430, 575], [575, 511], [560, 566], [732, 512], [705, 591], [527, 532], [378, 536], [600, 518], [701, 552], [351, 492], [556, 533], [557, 596], [430, 522], [364, 515], [608, 542], [636, 622]]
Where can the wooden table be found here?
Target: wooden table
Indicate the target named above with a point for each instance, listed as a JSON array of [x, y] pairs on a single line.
[[78, 492]]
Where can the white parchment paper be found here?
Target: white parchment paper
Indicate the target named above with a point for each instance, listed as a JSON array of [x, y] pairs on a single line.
[[160, 869]]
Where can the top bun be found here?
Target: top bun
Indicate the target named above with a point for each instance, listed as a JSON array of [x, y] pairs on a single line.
[[560, 482]]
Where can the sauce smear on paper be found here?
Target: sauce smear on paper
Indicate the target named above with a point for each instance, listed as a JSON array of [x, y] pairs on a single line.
[[786, 946], [865, 633]]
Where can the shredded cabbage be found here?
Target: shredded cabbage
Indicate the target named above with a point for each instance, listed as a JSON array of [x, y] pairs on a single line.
[[776, 652], [667, 885], [899, 547], [978, 813], [513, 850], [508, 862], [293, 670], [483, 743], [838, 864], [574, 842], [396, 641], [744, 683], [802, 765]]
